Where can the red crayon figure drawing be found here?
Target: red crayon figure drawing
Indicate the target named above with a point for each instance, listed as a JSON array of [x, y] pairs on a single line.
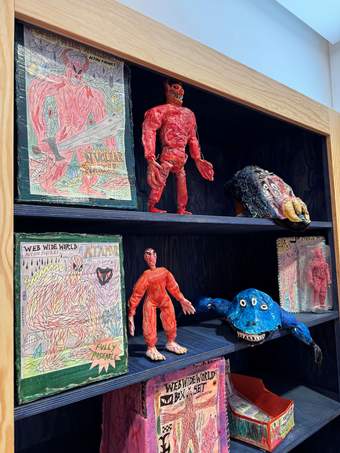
[[188, 422], [319, 278], [79, 106], [177, 126], [154, 283], [75, 120]]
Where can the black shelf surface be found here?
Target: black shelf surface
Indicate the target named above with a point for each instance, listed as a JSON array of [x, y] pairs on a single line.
[[204, 341], [312, 412], [156, 223]]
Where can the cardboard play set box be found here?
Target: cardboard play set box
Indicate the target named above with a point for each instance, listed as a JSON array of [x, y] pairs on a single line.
[[183, 411], [256, 415]]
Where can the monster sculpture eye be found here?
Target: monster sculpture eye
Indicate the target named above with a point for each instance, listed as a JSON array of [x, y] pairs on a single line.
[[253, 301], [264, 307], [276, 190], [243, 303]]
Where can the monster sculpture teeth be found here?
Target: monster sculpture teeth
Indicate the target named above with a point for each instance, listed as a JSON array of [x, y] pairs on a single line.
[[251, 337]]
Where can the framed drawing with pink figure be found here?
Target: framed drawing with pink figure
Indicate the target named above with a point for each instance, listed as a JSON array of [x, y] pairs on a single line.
[[74, 127]]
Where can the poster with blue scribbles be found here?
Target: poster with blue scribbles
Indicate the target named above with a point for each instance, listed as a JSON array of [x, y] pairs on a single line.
[[74, 127]]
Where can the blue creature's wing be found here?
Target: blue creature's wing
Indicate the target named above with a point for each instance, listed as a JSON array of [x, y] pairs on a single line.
[[300, 331], [217, 306]]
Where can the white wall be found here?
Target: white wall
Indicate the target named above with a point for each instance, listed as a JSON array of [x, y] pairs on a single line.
[[334, 52], [258, 33]]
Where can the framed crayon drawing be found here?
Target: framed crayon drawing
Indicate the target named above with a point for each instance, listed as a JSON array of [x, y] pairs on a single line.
[[74, 126], [70, 312]]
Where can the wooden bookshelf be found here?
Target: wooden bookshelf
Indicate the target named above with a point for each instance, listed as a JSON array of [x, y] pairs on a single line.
[[112, 27]]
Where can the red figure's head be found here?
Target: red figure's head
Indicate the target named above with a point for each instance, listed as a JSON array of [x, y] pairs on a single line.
[[77, 267], [150, 257], [318, 254], [174, 92], [76, 64]]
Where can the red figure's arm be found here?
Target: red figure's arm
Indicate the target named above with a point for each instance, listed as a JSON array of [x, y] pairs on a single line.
[[205, 404], [38, 91], [194, 146], [152, 122], [97, 104], [310, 271], [137, 294], [98, 111], [173, 288], [171, 417], [329, 279]]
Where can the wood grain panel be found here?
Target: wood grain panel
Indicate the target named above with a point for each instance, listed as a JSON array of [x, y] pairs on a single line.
[[334, 173], [6, 227], [115, 28]]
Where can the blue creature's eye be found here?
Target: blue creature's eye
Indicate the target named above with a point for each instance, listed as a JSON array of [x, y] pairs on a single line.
[[243, 303], [253, 301], [264, 307]]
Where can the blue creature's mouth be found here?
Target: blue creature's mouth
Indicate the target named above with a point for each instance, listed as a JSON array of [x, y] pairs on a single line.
[[252, 337]]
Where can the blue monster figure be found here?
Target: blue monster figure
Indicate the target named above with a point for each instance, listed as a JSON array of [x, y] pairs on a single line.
[[255, 316]]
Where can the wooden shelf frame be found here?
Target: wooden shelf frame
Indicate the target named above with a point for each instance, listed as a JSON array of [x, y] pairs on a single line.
[[112, 27]]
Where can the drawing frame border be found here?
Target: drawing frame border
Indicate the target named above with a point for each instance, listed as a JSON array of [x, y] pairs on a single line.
[[91, 375], [22, 192]]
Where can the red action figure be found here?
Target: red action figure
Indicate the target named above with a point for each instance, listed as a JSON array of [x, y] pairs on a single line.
[[155, 282], [319, 277], [177, 126]]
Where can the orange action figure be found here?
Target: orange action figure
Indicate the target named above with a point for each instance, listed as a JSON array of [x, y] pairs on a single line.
[[155, 282], [177, 126]]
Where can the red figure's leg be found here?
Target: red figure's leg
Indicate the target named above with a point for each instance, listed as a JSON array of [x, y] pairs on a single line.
[[168, 319], [185, 439], [86, 186], [52, 176], [195, 442], [156, 192], [55, 173], [182, 192], [149, 323], [88, 179], [323, 295]]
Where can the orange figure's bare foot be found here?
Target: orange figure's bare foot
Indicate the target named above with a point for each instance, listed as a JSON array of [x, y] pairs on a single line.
[[159, 211], [154, 354], [183, 212], [174, 347]]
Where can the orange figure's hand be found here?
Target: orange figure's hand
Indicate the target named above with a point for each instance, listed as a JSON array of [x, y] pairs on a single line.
[[131, 326], [187, 307], [205, 168]]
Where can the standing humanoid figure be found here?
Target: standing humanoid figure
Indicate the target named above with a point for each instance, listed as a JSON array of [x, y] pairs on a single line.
[[155, 282], [319, 277], [177, 127]]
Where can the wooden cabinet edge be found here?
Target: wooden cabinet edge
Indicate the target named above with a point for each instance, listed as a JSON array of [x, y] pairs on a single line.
[[6, 228], [120, 30], [333, 149]]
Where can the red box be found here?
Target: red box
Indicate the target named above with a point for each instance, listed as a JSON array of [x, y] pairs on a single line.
[[256, 415], [177, 412]]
